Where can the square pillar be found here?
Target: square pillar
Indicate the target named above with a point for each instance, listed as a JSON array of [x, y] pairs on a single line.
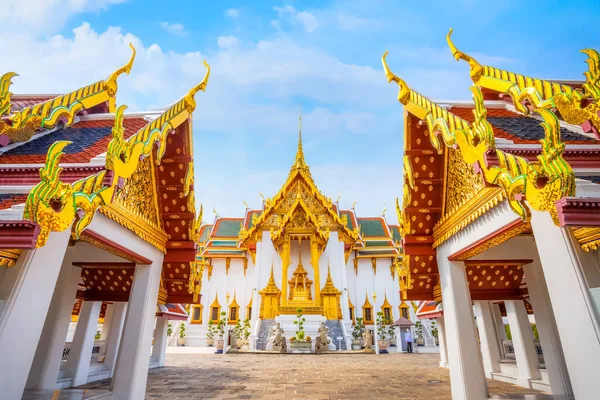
[[500, 330], [490, 348], [467, 379], [25, 295], [443, 345], [554, 359], [576, 317], [107, 320], [113, 339], [522, 340], [131, 370], [48, 356], [80, 356], [159, 347]]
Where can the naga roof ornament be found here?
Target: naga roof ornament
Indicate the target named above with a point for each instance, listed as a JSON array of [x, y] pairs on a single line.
[[576, 106], [22, 125], [541, 182], [55, 205]]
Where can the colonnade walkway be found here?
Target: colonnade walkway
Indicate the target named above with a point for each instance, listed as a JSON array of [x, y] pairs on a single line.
[[273, 376]]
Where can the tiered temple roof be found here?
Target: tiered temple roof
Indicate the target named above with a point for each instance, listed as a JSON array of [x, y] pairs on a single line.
[[64, 157]]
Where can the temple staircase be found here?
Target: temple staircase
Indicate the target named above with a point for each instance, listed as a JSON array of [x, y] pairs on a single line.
[[335, 331], [264, 333]]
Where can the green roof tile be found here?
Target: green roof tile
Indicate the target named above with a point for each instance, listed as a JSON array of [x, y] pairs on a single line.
[[378, 243], [224, 243], [396, 234], [228, 228], [372, 227]]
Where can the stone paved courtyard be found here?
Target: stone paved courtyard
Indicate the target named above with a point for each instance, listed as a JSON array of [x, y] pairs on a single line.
[[270, 376]]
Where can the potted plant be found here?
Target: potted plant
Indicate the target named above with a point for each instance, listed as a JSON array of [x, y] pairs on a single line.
[[434, 333], [391, 332], [169, 329], [181, 338], [300, 343], [419, 328], [357, 332], [210, 336], [220, 331], [382, 331], [242, 330]]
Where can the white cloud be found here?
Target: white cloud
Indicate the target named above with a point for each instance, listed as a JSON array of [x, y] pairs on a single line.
[[227, 41], [349, 22], [232, 13], [174, 29], [290, 14], [37, 17]]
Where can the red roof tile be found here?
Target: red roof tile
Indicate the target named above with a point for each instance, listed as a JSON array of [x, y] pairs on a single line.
[[89, 150]]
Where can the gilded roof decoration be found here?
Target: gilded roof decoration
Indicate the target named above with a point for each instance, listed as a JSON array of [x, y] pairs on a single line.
[[20, 126], [55, 205], [540, 182], [299, 187], [576, 106]]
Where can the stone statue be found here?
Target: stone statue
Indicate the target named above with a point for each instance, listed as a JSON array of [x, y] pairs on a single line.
[[277, 340], [233, 337], [368, 338], [322, 340]]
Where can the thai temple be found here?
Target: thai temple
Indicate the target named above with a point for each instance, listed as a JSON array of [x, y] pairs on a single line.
[[105, 258], [298, 250]]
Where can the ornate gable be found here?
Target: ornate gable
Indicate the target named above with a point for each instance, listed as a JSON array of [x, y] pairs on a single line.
[[299, 201]]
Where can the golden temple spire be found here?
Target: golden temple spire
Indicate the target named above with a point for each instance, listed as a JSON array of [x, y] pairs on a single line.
[[300, 163]]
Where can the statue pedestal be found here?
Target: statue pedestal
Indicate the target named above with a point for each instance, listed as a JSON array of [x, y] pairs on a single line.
[[272, 347], [232, 349], [369, 351], [301, 347], [311, 325]]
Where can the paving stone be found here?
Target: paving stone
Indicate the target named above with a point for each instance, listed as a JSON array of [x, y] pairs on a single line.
[[285, 376]]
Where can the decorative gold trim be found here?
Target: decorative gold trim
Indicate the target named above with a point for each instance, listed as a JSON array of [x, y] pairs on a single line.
[[9, 257], [588, 238], [21, 126], [541, 93], [469, 211], [537, 184]]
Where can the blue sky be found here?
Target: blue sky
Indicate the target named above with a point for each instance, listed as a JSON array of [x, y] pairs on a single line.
[[269, 59]]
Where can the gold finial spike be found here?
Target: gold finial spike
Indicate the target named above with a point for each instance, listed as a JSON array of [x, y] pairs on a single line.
[[111, 82], [300, 163], [476, 68], [353, 205], [216, 213], [246, 204]]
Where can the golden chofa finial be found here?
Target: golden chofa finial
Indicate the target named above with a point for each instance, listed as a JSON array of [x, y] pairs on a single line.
[[110, 83], [5, 82], [403, 89], [300, 163], [476, 68], [190, 103]]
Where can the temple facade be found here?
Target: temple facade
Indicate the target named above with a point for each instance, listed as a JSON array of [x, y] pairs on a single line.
[[299, 250]]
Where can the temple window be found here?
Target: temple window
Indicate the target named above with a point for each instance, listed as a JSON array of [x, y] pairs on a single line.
[[386, 313], [386, 308], [249, 309], [367, 309], [351, 309], [234, 308], [404, 310], [196, 314], [215, 310]]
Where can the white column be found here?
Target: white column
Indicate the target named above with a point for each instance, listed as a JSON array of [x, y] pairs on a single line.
[[160, 340], [114, 336], [131, 369], [443, 345], [25, 295], [522, 340], [554, 360], [490, 348], [78, 362], [575, 313], [107, 320], [467, 379], [48, 356]]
